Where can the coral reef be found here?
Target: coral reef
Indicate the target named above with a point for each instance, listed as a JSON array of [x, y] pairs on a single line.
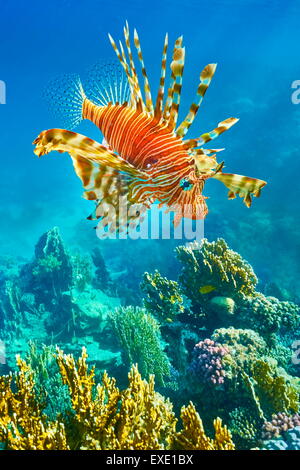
[[207, 336], [268, 315], [214, 264], [104, 417], [162, 297], [244, 427]]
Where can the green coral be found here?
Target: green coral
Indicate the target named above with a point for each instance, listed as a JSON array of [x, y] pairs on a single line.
[[268, 315], [139, 335], [162, 296], [49, 389], [244, 427], [245, 346], [272, 388], [215, 264], [81, 271]]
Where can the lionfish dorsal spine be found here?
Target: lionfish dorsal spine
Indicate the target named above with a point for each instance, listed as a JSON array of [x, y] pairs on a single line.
[[169, 100], [161, 90], [132, 68], [148, 97], [177, 67], [205, 79]]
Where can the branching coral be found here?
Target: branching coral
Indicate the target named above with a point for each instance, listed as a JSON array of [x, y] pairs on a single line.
[[22, 424], [139, 336], [104, 417], [162, 296], [193, 436]]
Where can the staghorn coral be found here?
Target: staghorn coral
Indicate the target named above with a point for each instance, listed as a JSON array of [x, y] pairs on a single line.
[[214, 264], [137, 418], [139, 335], [163, 298], [279, 423], [208, 361]]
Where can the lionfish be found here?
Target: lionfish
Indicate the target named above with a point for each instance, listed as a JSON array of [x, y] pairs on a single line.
[[144, 157]]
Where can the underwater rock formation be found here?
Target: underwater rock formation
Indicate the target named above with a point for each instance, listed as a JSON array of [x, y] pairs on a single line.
[[53, 300]]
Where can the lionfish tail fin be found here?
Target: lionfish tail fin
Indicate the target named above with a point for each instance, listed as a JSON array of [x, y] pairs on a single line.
[[65, 97], [205, 79], [243, 186]]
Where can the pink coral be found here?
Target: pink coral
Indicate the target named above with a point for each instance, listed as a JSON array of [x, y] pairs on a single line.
[[208, 361], [280, 423]]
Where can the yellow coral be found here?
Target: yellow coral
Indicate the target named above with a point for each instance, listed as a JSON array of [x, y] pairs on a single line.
[[22, 425], [274, 387], [137, 418], [193, 436], [105, 418], [215, 264]]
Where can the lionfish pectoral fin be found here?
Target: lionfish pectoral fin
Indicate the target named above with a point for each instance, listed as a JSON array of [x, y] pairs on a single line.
[[243, 186], [74, 143], [65, 97], [106, 178]]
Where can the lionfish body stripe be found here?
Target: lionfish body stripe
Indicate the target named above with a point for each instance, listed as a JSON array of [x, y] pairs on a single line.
[[145, 157]]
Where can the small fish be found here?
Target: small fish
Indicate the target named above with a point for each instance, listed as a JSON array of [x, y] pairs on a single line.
[[144, 156], [207, 289]]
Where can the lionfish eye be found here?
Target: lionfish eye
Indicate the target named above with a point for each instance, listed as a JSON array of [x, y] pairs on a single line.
[[186, 184]]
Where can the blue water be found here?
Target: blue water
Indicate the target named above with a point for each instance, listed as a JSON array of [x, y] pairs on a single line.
[[255, 46]]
